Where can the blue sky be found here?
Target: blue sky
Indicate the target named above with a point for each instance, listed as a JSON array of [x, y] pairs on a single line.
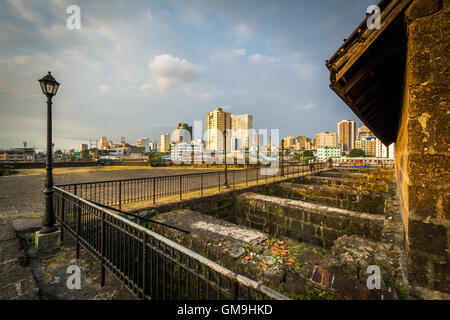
[[136, 68]]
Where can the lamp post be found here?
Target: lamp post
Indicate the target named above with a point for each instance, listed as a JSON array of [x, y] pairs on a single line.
[[282, 158], [225, 181], [49, 87]]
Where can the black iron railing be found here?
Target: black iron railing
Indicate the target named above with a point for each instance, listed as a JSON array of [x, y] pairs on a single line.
[[150, 265], [118, 192]]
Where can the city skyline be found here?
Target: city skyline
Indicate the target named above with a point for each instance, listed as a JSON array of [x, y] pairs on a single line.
[[132, 71]]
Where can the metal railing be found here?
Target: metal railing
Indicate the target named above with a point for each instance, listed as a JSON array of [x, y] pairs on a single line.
[[148, 264], [118, 192], [6, 169]]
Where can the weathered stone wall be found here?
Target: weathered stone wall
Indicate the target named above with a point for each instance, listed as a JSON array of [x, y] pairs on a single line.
[[302, 221], [422, 152], [378, 186], [344, 198]]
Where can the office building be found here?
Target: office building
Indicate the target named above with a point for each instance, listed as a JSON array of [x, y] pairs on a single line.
[[326, 139], [165, 143], [215, 128], [346, 135]]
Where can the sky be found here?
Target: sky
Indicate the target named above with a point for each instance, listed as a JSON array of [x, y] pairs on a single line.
[[136, 68]]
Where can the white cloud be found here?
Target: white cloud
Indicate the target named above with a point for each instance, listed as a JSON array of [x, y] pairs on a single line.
[[25, 12], [103, 88], [259, 58], [303, 108], [243, 31], [239, 52], [170, 71]]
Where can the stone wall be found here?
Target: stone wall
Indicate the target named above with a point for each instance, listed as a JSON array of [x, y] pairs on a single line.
[[344, 198], [316, 224], [422, 154]]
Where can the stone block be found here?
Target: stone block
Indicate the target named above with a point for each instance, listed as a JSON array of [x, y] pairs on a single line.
[[422, 8], [48, 242], [428, 237]]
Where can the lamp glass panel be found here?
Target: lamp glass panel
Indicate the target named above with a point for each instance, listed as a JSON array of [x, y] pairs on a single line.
[[55, 88], [42, 83], [49, 87]]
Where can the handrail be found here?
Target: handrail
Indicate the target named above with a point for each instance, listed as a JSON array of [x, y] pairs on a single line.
[[143, 235]]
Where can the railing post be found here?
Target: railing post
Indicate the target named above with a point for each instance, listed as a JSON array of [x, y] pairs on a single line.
[[257, 170], [144, 264], [219, 180], [102, 249], [154, 190], [120, 195], [62, 217], [181, 186], [233, 179], [201, 183], [246, 177], [234, 289], [77, 250]]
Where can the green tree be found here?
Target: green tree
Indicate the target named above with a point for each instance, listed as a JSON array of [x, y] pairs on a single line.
[[356, 153], [85, 156]]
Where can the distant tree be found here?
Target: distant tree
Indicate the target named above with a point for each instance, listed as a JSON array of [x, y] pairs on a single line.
[[308, 153], [356, 153], [155, 157], [85, 156], [58, 152]]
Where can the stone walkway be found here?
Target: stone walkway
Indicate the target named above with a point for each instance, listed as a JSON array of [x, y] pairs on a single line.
[[16, 280]]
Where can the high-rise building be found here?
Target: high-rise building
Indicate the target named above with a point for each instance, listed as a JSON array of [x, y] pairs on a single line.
[[368, 145], [104, 143], [347, 135], [165, 143], [153, 146], [182, 133], [326, 139], [143, 143], [303, 143], [241, 126], [83, 147], [215, 128], [363, 132], [289, 143]]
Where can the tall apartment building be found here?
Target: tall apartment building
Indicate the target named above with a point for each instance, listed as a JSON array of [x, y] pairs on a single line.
[[347, 135], [363, 132], [165, 143], [241, 126], [182, 133], [215, 126], [144, 143], [303, 143], [83, 147], [368, 145], [289, 143], [153, 146], [105, 144], [326, 139]]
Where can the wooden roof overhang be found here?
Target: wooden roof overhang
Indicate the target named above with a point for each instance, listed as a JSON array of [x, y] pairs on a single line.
[[367, 71]]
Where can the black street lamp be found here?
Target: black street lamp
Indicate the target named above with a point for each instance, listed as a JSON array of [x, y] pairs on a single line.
[[225, 182], [49, 87]]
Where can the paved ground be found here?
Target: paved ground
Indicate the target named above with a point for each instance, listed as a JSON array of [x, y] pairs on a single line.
[[21, 195], [21, 209], [16, 280]]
